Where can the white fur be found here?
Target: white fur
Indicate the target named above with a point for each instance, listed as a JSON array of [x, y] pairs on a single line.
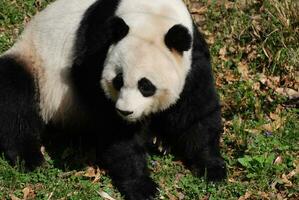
[[143, 53], [150, 20], [47, 42], [129, 95], [49, 38]]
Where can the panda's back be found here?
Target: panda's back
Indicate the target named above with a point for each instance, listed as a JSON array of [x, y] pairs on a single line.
[[45, 47], [51, 33]]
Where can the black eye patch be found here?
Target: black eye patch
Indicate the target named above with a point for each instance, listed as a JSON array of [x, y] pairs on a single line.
[[146, 87], [118, 81]]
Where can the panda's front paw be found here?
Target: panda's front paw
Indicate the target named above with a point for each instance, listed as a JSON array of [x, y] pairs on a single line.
[[215, 169], [142, 188], [35, 160], [31, 160]]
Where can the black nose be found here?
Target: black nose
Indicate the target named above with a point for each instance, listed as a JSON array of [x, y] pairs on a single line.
[[124, 112]]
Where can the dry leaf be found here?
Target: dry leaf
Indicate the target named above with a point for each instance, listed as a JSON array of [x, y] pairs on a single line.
[[288, 92], [90, 172], [279, 197], [286, 181], [211, 40], [254, 131], [278, 160], [262, 78], [222, 53], [246, 196], [171, 196], [229, 4], [243, 70], [43, 150], [181, 196], [28, 193], [94, 173], [274, 116], [264, 195], [231, 180], [207, 197], [230, 77], [105, 195], [267, 127], [198, 8], [293, 173], [13, 197]]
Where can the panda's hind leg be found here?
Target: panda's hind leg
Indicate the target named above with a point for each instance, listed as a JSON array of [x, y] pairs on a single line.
[[20, 122]]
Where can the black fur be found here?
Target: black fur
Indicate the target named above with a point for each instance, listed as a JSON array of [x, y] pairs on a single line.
[[118, 81], [146, 87], [178, 38], [118, 150], [98, 30], [20, 123], [193, 126]]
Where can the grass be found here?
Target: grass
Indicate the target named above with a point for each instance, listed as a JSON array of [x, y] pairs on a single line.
[[254, 46]]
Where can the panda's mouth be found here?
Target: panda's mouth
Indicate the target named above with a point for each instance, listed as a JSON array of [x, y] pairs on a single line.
[[127, 116], [132, 118], [124, 113]]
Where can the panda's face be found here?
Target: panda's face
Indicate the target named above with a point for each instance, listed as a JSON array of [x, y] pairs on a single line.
[[143, 77]]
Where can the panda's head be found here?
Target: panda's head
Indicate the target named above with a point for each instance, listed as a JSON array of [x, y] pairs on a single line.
[[145, 73]]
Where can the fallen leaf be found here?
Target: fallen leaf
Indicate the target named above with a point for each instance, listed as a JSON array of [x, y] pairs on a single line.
[[264, 195], [90, 172], [105, 195], [13, 197], [286, 181], [262, 78], [293, 173], [288, 92], [254, 131], [207, 197], [243, 70], [181, 196], [28, 193], [229, 4], [222, 53], [247, 195], [171, 196], [94, 173], [43, 150], [274, 116], [278, 160], [198, 8], [267, 127]]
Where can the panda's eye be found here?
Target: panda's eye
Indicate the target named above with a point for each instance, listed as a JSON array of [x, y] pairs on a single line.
[[118, 81], [146, 87]]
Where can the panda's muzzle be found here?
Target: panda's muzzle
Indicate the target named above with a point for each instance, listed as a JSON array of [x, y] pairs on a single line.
[[124, 112]]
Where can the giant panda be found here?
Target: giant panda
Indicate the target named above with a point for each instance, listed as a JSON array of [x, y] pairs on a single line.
[[113, 68]]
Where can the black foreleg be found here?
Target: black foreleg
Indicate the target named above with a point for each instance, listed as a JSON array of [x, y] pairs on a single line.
[[127, 166]]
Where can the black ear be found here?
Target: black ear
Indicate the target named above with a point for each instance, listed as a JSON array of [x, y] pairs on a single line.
[[119, 29], [179, 38]]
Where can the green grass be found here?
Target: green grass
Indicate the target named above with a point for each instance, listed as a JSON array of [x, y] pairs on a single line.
[[254, 46]]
